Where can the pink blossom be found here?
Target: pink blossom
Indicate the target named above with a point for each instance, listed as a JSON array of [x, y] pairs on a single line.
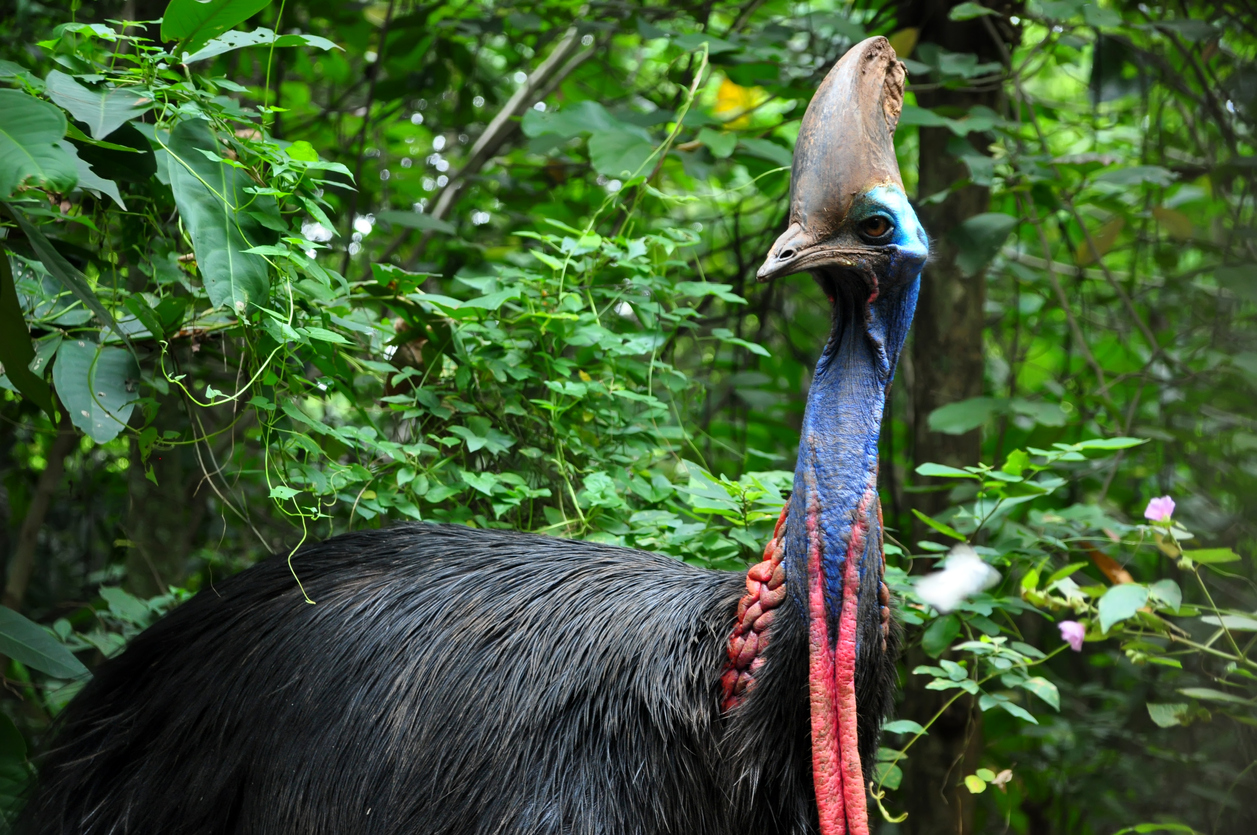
[[1159, 509], [1072, 633]]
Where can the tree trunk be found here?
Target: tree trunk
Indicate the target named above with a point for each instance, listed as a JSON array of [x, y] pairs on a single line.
[[947, 365], [23, 563]]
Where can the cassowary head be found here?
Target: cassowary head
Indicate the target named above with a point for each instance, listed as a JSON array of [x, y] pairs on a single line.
[[850, 222]]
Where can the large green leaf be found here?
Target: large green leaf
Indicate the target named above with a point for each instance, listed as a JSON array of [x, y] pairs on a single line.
[[210, 195], [964, 415], [103, 111], [195, 22], [28, 642], [620, 153], [416, 220], [89, 179], [65, 272], [979, 238], [16, 352], [97, 386], [1120, 603], [229, 41], [29, 133]]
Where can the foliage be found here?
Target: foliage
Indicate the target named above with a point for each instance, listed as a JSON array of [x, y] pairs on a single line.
[[311, 266]]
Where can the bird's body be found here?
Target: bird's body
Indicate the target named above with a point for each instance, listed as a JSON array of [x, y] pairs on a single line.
[[477, 681]]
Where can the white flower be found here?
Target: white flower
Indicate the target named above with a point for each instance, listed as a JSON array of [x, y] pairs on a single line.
[[964, 574]]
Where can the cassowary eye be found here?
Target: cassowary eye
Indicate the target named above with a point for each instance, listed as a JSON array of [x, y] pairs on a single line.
[[875, 228]]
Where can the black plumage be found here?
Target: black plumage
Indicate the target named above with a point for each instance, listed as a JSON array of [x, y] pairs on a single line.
[[448, 680]]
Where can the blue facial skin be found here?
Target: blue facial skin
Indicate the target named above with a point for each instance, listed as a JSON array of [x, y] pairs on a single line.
[[837, 460]]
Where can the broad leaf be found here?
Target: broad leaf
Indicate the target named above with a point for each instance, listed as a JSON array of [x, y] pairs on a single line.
[[1120, 603], [103, 111], [964, 415], [66, 273], [209, 194], [89, 179], [29, 133], [26, 641], [195, 22], [229, 41], [16, 352], [1168, 715], [979, 238], [415, 220], [621, 153], [97, 385]]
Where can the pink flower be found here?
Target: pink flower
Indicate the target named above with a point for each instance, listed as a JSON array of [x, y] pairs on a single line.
[[1072, 633], [1159, 509]]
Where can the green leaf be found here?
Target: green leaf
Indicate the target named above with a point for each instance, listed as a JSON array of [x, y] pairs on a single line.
[[1168, 715], [66, 273], [1044, 689], [1235, 623], [283, 493], [1208, 694], [975, 784], [1168, 593], [939, 635], [29, 134], [1212, 555], [126, 606], [89, 179], [1121, 602], [968, 11], [888, 775], [482, 482], [964, 415], [903, 726], [720, 143], [1137, 174], [97, 387], [103, 111], [416, 220], [195, 22], [938, 526], [620, 153], [210, 195], [766, 149], [230, 41], [1111, 443], [979, 239], [572, 120], [16, 352], [28, 642], [943, 471]]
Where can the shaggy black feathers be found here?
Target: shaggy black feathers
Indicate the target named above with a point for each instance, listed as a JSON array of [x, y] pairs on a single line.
[[447, 681]]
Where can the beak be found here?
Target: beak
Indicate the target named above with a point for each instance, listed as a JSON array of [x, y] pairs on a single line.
[[845, 147]]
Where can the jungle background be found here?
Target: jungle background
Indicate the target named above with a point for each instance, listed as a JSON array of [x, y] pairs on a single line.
[[275, 270]]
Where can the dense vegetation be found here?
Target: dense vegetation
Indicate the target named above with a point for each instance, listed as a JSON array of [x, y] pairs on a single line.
[[275, 270]]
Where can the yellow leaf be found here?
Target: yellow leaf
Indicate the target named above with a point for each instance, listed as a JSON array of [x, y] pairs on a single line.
[[734, 101], [904, 41], [1104, 239], [1175, 222], [975, 784], [584, 376]]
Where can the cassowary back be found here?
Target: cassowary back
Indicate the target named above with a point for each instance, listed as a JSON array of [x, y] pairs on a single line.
[[447, 681]]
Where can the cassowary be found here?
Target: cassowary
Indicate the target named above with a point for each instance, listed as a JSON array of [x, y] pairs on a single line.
[[466, 681]]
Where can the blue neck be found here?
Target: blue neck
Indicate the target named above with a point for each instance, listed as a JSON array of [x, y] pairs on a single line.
[[837, 463]]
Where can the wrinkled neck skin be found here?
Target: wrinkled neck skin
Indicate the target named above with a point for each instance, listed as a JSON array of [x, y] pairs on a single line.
[[834, 536]]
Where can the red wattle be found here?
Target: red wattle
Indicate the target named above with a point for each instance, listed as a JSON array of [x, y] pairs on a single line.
[[844, 674], [822, 692], [836, 771]]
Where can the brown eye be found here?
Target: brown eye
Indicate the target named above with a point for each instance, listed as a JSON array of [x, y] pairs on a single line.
[[875, 227]]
